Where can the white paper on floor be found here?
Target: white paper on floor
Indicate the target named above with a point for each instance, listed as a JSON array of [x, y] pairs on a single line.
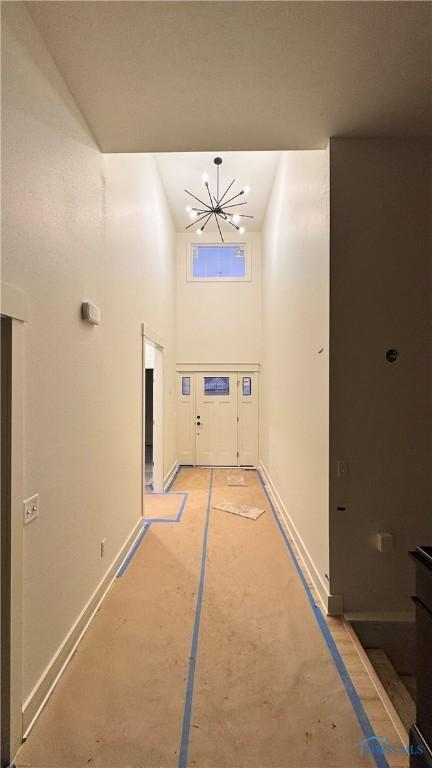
[[236, 480], [244, 510]]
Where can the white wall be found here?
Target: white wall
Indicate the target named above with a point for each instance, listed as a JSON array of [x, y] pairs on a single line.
[[218, 322], [381, 413], [294, 381], [78, 225]]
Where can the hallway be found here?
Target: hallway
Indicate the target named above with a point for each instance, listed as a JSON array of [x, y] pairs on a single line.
[[208, 652]]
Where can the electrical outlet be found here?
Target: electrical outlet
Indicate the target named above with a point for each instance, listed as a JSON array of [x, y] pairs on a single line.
[[31, 508], [102, 547]]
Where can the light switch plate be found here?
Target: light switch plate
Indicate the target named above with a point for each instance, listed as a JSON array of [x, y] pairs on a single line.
[[31, 508]]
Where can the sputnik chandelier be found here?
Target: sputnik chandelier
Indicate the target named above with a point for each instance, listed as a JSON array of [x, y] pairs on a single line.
[[218, 206]]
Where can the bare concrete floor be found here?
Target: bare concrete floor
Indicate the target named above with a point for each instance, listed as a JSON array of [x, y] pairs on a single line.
[[263, 690]]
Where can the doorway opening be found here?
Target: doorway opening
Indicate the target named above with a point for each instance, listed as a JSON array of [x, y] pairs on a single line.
[[153, 417], [149, 377]]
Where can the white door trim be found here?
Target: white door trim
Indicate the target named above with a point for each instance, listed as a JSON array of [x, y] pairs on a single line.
[[152, 336], [211, 367], [247, 422], [14, 303]]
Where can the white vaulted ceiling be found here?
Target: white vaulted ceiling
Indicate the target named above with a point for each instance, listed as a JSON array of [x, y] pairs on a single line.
[[184, 170], [182, 76]]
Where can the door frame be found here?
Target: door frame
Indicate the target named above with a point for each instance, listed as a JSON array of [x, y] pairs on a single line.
[[14, 309], [150, 336], [197, 368]]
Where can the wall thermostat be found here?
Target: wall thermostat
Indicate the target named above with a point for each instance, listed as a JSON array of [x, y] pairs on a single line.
[[90, 312]]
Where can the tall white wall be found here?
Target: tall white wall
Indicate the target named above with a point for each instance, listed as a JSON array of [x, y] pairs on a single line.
[[78, 226], [381, 413], [294, 420], [218, 322]]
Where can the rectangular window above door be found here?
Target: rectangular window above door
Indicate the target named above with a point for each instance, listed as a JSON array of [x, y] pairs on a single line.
[[219, 262]]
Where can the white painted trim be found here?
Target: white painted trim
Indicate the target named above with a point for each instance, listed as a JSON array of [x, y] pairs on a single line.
[[327, 600], [229, 367], [170, 474], [151, 335], [43, 689], [245, 467], [377, 684], [13, 303], [380, 617]]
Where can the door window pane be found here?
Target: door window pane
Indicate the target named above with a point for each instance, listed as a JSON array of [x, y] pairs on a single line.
[[219, 262], [216, 385], [186, 389], [247, 386]]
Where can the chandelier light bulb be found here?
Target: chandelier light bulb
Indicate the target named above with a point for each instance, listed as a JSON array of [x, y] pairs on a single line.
[[242, 230], [246, 189], [199, 231], [193, 214], [205, 177], [188, 209]]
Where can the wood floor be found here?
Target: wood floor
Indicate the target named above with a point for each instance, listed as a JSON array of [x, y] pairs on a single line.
[[210, 651]]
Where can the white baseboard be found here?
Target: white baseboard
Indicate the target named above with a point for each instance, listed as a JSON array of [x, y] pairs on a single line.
[[170, 475], [332, 604], [40, 694]]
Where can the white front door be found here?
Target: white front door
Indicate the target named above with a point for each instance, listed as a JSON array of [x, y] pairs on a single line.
[[216, 419]]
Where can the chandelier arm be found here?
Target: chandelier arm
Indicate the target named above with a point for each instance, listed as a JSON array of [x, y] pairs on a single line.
[[233, 225], [226, 191], [194, 223], [208, 191], [233, 198], [206, 222], [245, 216], [196, 198], [220, 231], [234, 205], [217, 193]]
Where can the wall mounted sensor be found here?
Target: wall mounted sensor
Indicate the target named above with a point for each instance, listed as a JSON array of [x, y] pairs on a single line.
[[90, 312], [392, 355]]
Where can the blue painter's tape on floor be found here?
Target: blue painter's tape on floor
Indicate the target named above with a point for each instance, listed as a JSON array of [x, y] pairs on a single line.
[[184, 744], [178, 517], [134, 549], [353, 696]]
